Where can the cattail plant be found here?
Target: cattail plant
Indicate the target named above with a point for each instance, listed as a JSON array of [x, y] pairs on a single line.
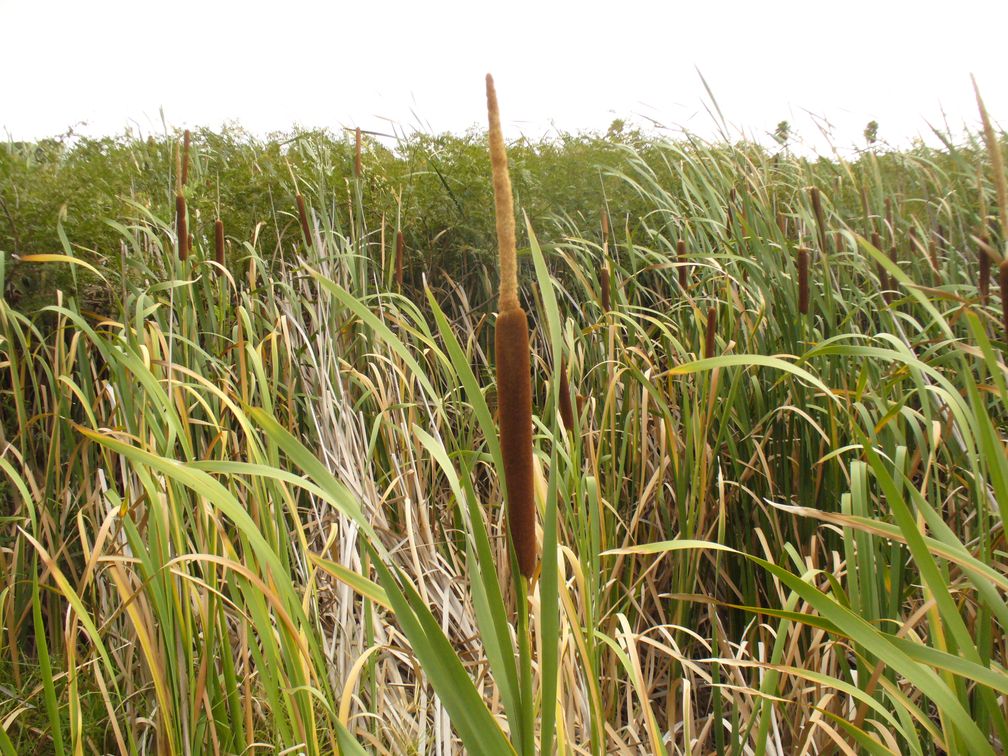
[[985, 267], [357, 154], [605, 283], [303, 215], [181, 226], [820, 217], [186, 140], [511, 348], [711, 333], [803, 284], [219, 241], [681, 255], [565, 408], [400, 250]]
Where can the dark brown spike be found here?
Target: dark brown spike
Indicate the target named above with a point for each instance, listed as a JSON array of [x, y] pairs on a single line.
[[219, 241], [709, 341], [514, 407], [681, 255], [181, 226], [604, 281], [400, 250], [566, 410], [303, 216], [803, 282], [820, 217], [985, 268]]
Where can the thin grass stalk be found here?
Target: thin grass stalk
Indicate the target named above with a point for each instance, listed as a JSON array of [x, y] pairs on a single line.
[[883, 275], [400, 251], [186, 141], [565, 408], [219, 241], [1003, 283], [357, 153], [513, 356], [681, 255]]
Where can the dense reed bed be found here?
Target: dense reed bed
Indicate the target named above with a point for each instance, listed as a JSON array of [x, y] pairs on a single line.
[[256, 505]]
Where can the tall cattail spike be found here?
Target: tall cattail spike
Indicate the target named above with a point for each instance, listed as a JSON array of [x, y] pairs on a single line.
[[181, 226], [709, 342], [803, 282], [985, 268], [605, 283], [565, 407], [513, 359], [820, 217], [303, 217], [219, 241]]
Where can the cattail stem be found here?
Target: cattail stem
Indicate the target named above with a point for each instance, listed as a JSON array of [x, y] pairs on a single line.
[[400, 250], [219, 241], [357, 154], [681, 255], [303, 216], [803, 283], [709, 342], [186, 139], [181, 226], [513, 358]]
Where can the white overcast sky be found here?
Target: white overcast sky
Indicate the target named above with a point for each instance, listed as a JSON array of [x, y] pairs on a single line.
[[269, 65]]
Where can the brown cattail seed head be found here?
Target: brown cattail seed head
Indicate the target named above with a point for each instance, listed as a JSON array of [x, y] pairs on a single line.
[[219, 241], [820, 218], [400, 250], [681, 254], [566, 410], [303, 216], [605, 284], [985, 269], [803, 284], [514, 407], [711, 332], [357, 154], [181, 226], [186, 139], [513, 359]]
